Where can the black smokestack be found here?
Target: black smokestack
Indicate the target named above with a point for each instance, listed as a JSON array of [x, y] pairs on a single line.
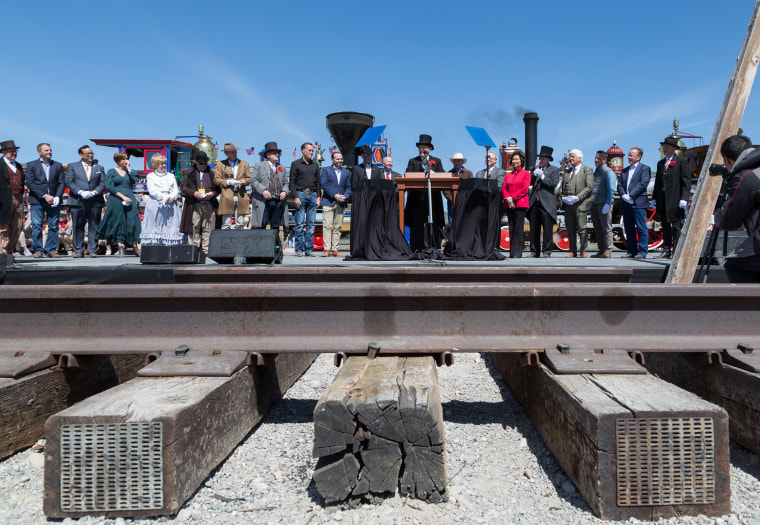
[[531, 139], [346, 128]]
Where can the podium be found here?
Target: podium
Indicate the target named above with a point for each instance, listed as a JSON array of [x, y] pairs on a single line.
[[416, 181]]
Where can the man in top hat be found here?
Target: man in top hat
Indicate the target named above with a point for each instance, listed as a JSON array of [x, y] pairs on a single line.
[[336, 186], [86, 181], [232, 175], [199, 211], [542, 204], [458, 161], [44, 178], [12, 179], [417, 209], [365, 171], [306, 188], [672, 187], [269, 188]]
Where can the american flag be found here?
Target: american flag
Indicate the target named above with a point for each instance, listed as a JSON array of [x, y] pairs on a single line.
[[294, 152], [216, 145], [250, 150], [332, 149]]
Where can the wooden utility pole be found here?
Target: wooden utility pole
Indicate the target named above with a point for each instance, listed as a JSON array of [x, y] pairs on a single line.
[[689, 247]]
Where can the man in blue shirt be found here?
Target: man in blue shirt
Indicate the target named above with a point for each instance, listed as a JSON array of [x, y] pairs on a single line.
[[605, 182]]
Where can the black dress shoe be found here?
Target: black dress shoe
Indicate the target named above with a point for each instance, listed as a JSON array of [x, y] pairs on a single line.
[[547, 254], [665, 255]]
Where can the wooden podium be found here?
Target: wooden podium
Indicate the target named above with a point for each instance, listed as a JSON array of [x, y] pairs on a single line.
[[416, 181]]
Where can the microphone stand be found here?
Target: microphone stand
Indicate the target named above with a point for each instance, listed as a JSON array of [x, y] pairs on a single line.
[[429, 227]]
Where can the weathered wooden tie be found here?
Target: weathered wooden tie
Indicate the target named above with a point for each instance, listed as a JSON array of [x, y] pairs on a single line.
[[735, 388], [144, 447], [27, 402], [379, 428], [634, 445]]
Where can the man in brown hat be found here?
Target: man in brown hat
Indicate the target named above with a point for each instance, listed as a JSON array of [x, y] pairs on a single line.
[[672, 187], [12, 179], [417, 209], [269, 188], [232, 175]]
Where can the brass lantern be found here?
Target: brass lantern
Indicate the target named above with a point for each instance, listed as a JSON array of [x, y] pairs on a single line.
[[615, 158], [205, 145], [507, 150]]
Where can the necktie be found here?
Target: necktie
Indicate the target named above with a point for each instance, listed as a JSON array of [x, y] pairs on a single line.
[[87, 171], [488, 172], [387, 176]]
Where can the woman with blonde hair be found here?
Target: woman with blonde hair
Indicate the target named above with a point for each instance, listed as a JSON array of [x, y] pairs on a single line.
[[162, 210]]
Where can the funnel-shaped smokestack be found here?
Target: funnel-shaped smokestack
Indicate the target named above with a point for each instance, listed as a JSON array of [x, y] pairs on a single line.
[[346, 128], [531, 139]]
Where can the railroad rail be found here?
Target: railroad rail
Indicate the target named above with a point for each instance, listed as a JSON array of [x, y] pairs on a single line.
[[395, 317]]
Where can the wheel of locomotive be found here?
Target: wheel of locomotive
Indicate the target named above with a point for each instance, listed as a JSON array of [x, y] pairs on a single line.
[[504, 238], [562, 240], [319, 242], [654, 231]]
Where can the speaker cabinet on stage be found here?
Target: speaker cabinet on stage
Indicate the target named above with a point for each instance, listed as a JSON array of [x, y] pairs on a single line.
[[175, 254], [256, 246]]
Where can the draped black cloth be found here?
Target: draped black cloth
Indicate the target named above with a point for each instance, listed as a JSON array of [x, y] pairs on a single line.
[[476, 222], [375, 232]]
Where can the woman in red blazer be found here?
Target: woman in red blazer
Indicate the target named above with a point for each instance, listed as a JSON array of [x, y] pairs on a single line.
[[515, 192]]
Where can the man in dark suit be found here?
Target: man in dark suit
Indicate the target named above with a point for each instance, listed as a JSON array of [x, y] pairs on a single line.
[[336, 190], [45, 180], [365, 171], [12, 179], [199, 211], [672, 186], [417, 208], [387, 170], [632, 188], [492, 172], [542, 204], [576, 189], [86, 181]]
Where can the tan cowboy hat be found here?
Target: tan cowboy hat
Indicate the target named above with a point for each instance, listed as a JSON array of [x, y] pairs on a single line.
[[458, 156], [229, 146]]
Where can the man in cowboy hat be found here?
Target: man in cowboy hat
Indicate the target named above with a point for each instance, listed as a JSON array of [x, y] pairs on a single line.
[[458, 160], [542, 204], [232, 175], [672, 187], [199, 211], [269, 188], [306, 188], [12, 179], [417, 209]]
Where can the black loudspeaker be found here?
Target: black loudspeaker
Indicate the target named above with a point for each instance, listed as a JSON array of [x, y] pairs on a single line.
[[254, 246], [175, 254]]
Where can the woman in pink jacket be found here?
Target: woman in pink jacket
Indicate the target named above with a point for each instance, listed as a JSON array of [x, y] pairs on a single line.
[[515, 192]]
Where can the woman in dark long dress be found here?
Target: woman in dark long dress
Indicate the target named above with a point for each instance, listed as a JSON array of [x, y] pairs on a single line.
[[121, 221]]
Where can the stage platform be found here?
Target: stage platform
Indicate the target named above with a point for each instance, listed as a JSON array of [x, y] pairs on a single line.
[[110, 269]]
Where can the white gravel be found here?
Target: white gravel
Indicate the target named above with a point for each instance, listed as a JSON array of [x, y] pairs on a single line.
[[499, 469]]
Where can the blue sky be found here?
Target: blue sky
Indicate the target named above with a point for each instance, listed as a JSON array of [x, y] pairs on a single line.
[[252, 72]]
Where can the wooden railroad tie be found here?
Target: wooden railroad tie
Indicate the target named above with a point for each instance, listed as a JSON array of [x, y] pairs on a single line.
[[379, 428]]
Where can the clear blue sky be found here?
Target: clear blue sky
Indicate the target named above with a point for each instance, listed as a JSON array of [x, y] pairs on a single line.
[[251, 72]]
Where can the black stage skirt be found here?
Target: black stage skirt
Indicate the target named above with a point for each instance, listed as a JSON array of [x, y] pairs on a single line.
[[375, 233], [476, 224]]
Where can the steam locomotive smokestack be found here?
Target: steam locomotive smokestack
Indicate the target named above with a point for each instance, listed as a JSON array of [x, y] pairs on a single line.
[[531, 138], [346, 128]]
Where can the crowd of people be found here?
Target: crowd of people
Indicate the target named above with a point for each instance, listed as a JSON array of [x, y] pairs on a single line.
[[236, 195]]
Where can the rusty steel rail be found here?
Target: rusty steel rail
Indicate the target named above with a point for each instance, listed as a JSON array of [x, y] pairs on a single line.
[[397, 317]]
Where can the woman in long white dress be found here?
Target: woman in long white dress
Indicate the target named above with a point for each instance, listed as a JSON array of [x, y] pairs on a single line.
[[162, 209]]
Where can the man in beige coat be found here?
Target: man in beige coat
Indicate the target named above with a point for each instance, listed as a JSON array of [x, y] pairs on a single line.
[[232, 175], [577, 185]]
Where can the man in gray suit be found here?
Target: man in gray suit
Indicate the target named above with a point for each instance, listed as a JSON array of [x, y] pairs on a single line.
[[86, 182], [577, 185], [492, 172], [542, 207], [270, 187]]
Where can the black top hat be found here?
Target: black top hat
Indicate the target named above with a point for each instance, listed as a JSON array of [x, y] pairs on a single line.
[[673, 141], [546, 151], [8, 144], [201, 157], [271, 146], [361, 150], [426, 140]]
